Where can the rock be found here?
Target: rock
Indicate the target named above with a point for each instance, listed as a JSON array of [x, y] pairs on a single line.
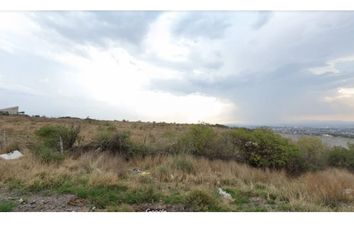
[[224, 194], [11, 155]]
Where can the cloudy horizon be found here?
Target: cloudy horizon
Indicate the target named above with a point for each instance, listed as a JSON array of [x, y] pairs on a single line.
[[217, 67]]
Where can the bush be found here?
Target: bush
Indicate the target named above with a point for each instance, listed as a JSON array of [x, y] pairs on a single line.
[[47, 154], [119, 143], [263, 148], [342, 157], [50, 136], [198, 140], [202, 140], [201, 201], [312, 153]]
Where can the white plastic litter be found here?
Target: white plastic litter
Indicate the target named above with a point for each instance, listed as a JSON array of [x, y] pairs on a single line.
[[11, 155], [224, 194]]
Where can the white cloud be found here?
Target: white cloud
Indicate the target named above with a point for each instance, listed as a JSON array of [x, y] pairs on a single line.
[[160, 41], [344, 96], [115, 77]]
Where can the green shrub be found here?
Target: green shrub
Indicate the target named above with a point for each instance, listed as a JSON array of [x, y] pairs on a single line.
[[342, 157], [120, 143], [53, 139], [263, 148], [197, 140], [202, 140], [6, 206], [201, 201], [312, 153], [51, 135], [47, 154]]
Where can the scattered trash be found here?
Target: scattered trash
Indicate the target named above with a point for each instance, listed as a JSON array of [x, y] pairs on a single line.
[[21, 201], [144, 173], [348, 191], [224, 194], [140, 172], [11, 155], [136, 170]]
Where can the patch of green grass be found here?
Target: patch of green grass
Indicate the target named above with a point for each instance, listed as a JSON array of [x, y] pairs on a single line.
[[103, 196], [239, 197], [174, 198], [243, 200], [15, 184], [6, 206], [142, 195]]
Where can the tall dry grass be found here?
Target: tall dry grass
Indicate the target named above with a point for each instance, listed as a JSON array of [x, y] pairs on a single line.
[[313, 191]]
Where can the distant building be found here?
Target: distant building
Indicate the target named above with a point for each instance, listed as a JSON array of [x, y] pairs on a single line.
[[10, 111]]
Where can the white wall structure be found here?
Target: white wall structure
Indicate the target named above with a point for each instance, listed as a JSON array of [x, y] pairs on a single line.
[[10, 111]]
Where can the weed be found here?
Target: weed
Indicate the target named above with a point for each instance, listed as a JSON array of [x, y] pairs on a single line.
[[201, 201], [47, 155], [6, 206]]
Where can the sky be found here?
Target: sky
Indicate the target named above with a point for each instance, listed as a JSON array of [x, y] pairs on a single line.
[[217, 67]]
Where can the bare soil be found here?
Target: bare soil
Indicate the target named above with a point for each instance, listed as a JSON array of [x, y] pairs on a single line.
[[44, 203]]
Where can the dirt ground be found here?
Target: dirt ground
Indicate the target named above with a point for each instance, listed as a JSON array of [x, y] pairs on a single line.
[[41, 202], [44, 203]]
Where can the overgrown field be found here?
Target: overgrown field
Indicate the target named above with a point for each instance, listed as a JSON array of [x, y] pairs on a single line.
[[135, 166]]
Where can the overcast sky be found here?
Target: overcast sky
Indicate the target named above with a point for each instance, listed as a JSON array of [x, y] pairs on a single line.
[[216, 67]]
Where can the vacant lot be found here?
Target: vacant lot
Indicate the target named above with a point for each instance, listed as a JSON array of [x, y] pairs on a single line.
[[135, 166]]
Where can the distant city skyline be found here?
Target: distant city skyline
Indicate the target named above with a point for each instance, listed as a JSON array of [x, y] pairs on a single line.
[[243, 67]]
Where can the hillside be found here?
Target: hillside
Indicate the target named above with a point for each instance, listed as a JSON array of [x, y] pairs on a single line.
[[89, 165]]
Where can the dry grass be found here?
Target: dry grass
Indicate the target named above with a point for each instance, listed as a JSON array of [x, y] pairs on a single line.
[[328, 190], [316, 191]]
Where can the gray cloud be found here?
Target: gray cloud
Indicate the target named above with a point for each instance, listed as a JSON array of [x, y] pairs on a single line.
[[97, 27], [203, 24], [260, 61]]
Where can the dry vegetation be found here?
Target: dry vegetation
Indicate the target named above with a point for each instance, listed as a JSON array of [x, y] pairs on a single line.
[[113, 183]]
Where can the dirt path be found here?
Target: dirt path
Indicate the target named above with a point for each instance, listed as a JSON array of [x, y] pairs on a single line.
[[44, 203]]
